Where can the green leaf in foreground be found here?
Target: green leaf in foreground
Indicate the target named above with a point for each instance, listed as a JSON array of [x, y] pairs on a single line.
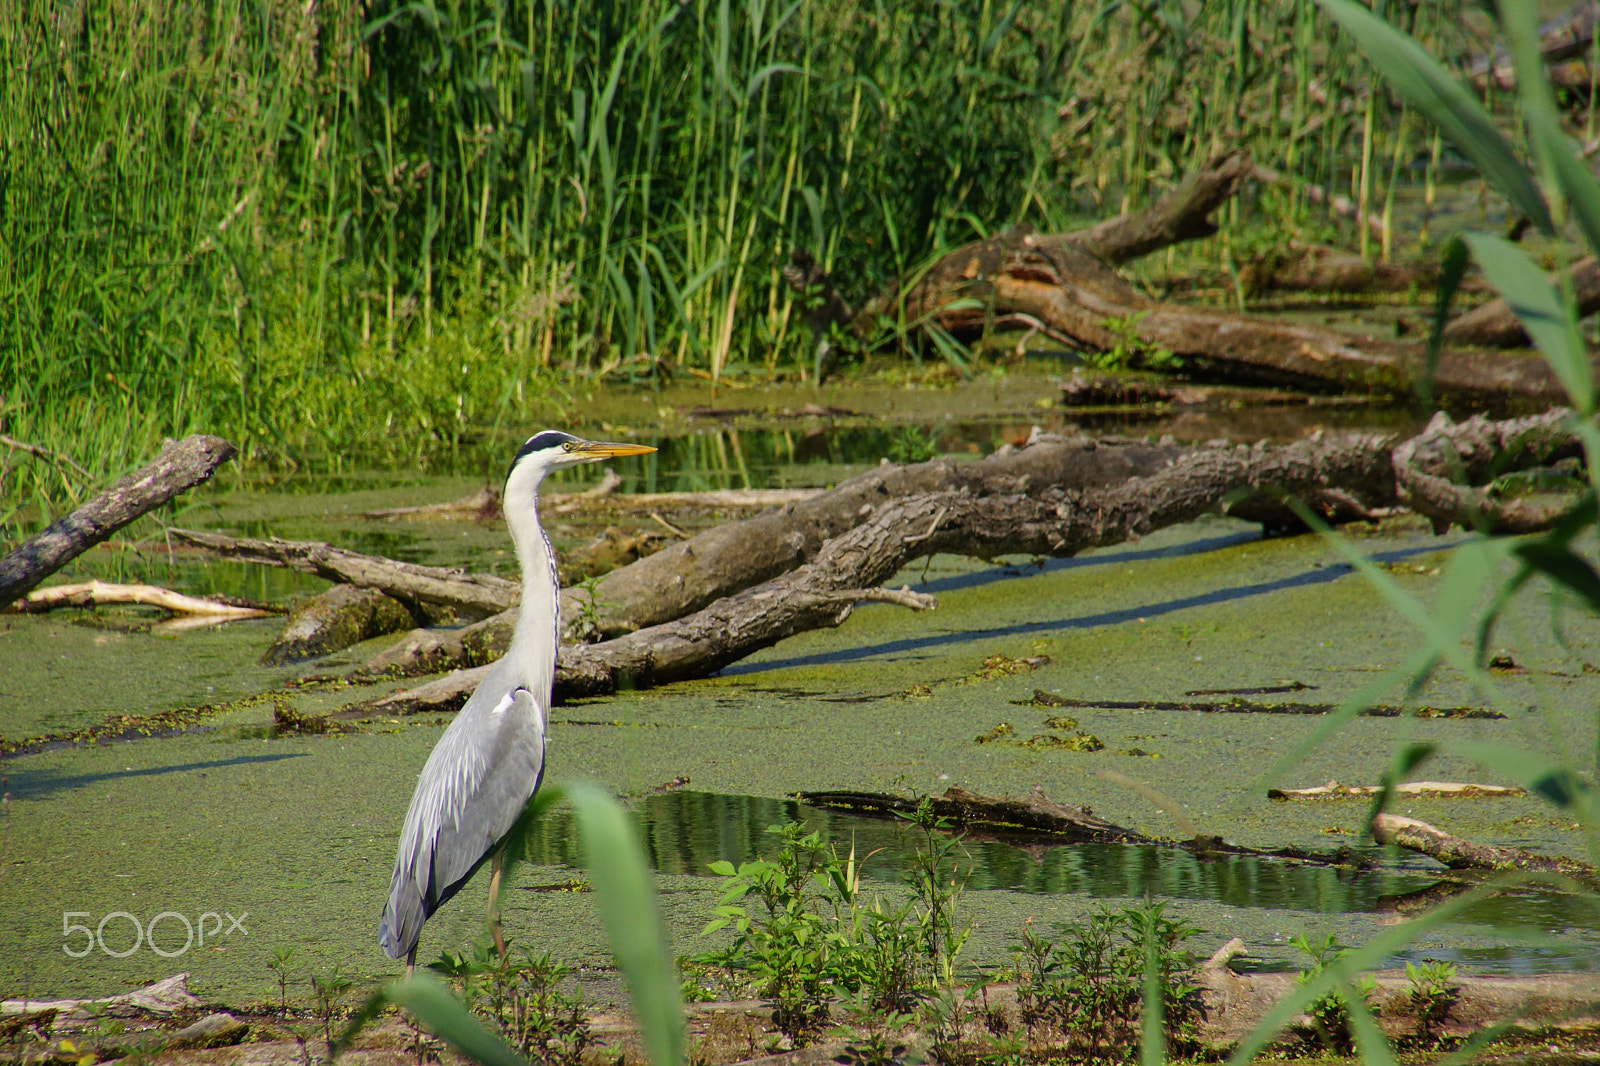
[[632, 919], [443, 1014], [1424, 84], [1539, 308]]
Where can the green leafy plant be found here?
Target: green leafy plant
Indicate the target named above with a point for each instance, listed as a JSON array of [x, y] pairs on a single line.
[[1108, 973], [937, 881], [279, 965], [1431, 996], [329, 990], [1130, 352], [912, 445], [785, 941], [1329, 1013]]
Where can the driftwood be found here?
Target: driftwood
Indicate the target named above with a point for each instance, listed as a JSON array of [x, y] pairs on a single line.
[[180, 465], [687, 576], [1460, 854], [1468, 451], [1494, 325], [1320, 269], [98, 593], [1425, 789], [1062, 285], [340, 617], [166, 996], [447, 587]]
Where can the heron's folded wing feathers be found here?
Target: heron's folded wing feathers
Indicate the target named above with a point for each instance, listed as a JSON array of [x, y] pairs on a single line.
[[472, 790]]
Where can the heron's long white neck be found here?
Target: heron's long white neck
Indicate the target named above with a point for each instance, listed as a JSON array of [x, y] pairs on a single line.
[[534, 642]]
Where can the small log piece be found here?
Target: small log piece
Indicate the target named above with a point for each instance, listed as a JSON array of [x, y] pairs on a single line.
[[97, 593], [343, 616], [1460, 854], [181, 465], [1427, 789]]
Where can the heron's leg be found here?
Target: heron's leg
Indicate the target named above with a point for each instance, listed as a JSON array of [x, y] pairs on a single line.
[[411, 962], [495, 868]]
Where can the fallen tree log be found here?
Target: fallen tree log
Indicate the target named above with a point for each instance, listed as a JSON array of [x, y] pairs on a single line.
[[689, 575], [98, 593], [181, 465], [1467, 452], [1049, 520], [1054, 521], [1460, 854], [445, 586], [1080, 298], [1570, 35], [1240, 705]]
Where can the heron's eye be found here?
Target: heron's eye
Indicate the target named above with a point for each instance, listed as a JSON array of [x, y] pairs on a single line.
[[567, 446]]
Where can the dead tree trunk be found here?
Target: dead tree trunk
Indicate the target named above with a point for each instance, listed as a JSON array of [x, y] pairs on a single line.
[[1077, 297], [1494, 325], [180, 465], [1024, 518]]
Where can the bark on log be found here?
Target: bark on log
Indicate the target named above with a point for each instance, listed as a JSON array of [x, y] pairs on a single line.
[[471, 593], [1320, 269], [1034, 813], [1567, 36], [96, 593], [1053, 521], [1494, 325], [1460, 854], [1429, 468], [180, 465], [1240, 705]]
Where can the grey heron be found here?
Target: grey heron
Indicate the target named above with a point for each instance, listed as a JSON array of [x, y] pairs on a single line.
[[490, 761]]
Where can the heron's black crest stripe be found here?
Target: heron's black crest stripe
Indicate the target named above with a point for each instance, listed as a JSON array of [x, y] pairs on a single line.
[[550, 438]]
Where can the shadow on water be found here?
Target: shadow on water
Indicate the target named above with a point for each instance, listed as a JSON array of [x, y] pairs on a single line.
[[1319, 576], [36, 784], [684, 832]]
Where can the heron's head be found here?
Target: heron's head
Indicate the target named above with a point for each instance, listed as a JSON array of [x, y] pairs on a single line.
[[554, 450]]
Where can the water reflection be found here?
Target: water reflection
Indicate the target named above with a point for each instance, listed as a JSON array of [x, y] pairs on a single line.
[[684, 832]]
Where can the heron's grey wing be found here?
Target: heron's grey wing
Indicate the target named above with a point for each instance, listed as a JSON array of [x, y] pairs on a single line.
[[472, 790]]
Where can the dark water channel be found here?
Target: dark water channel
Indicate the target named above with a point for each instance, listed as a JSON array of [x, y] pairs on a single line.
[[684, 832]]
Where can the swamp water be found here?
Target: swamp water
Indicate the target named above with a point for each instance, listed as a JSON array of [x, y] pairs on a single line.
[[288, 840]]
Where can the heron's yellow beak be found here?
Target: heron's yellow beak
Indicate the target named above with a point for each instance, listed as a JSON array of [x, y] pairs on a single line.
[[599, 449]]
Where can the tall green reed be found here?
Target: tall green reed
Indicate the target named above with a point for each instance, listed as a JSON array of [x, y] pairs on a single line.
[[380, 228]]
